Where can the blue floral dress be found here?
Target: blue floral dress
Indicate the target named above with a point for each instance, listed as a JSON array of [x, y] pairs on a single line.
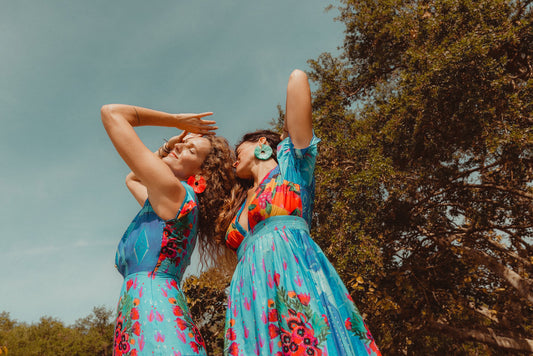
[[285, 297], [152, 314]]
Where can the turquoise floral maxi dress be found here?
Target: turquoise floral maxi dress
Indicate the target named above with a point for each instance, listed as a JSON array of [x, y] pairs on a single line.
[[152, 314], [285, 297]]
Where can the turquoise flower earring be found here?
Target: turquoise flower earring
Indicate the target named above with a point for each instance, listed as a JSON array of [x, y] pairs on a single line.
[[263, 152]]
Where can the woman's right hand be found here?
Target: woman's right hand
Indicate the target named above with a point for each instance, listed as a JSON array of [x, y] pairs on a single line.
[[195, 124], [169, 145], [175, 139]]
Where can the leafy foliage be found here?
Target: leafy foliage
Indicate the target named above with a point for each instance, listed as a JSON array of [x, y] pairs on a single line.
[[92, 335], [426, 163], [206, 297]]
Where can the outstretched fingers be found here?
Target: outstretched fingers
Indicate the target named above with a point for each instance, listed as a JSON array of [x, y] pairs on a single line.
[[195, 123], [204, 114], [208, 127]]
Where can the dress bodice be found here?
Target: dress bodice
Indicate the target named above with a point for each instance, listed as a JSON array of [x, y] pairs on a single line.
[[287, 190], [159, 246]]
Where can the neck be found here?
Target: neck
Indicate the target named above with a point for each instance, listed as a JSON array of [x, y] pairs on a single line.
[[262, 169]]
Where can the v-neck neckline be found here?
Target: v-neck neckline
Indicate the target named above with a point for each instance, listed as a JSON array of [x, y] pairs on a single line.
[[241, 229]]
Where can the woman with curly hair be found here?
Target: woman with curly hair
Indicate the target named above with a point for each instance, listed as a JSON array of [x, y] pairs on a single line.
[[181, 188], [285, 297]]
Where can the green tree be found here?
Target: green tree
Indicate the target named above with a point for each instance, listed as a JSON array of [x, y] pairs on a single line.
[[6, 325], [426, 163], [89, 336], [96, 332], [206, 296]]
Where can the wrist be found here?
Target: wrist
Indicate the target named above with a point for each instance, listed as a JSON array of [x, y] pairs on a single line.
[[178, 119]]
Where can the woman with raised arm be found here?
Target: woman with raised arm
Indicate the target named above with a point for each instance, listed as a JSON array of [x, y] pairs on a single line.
[[285, 297], [181, 188]]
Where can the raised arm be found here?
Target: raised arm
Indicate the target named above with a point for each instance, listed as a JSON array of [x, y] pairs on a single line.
[[165, 191], [134, 184], [298, 122]]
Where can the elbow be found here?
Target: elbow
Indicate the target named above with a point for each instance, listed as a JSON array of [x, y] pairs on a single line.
[[131, 178], [128, 181], [106, 112]]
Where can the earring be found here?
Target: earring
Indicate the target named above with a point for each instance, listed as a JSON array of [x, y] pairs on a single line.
[[263, 152], [198, 185]]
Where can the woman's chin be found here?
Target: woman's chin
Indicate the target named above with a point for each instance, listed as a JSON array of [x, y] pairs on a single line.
[[244, 176]]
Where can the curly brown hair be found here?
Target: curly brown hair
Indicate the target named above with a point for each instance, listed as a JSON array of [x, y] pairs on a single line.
[[219, 174], [238, 194]]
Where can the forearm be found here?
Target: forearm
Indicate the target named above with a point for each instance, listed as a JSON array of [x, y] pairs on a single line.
[[122, 116], [139, 116]]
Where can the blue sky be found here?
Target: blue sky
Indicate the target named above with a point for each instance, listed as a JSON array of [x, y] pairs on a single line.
[[64, 202]]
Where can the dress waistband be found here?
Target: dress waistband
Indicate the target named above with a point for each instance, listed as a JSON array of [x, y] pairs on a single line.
[[279, 221], [152, 275]]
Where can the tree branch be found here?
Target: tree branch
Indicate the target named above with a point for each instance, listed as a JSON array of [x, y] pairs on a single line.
[[484, 311], [522, 285], [487, 337], [499, 187], [505, 251]]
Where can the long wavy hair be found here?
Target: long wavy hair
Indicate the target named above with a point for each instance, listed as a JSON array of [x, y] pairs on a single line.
[[238, 194], [217, 169]]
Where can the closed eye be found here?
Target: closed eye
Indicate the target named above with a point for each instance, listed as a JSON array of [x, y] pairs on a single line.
[[192, 148]]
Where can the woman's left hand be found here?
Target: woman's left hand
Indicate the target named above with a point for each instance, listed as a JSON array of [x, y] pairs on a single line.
[[195, 124]]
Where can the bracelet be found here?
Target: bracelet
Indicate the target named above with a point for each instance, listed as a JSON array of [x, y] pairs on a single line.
[[165, 147], [137, 114], [165, 150]]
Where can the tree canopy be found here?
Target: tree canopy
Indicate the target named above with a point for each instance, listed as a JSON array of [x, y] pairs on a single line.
[[426, 163], [89, 336], [206, 296], [424, 184]]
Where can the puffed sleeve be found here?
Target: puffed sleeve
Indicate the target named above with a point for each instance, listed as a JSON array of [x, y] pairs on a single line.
[[298, 165]]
